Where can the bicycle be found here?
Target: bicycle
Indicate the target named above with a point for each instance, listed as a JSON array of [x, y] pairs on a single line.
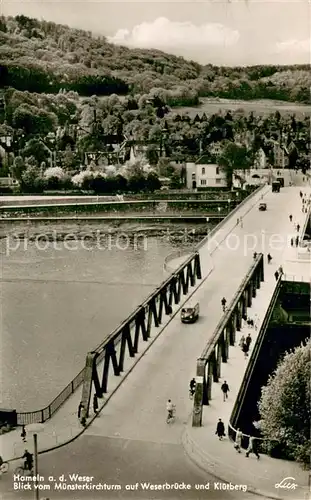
[[171, 415], [22, 469]]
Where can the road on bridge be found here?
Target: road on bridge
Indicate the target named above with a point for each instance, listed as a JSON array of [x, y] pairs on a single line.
[[129, 441]]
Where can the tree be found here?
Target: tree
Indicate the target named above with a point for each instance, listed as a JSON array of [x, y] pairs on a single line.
[[152, 182], [152, 155], [285, 405], [234, 158], [18, 167], [31, 180], [36, 148]]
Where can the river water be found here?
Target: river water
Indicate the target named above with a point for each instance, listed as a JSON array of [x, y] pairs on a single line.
[[59, 301]]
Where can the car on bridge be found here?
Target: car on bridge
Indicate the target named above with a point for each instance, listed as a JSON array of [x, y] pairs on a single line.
[[190, 314], [262, 207]]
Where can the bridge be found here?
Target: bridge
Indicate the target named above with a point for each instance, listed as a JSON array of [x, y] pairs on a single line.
[[129, 439]]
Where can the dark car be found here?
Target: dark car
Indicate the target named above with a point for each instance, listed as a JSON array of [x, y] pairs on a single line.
[[190, 314], [262, 207]]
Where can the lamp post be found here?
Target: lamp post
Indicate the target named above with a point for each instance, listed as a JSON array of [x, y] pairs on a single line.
[[34, 429]]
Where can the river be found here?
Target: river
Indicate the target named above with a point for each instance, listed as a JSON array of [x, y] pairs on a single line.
[[60, 300]]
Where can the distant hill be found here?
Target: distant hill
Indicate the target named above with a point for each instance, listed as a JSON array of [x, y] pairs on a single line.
[[44, 57]]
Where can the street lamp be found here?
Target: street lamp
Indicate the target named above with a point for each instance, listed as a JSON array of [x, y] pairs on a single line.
[[35, 429]]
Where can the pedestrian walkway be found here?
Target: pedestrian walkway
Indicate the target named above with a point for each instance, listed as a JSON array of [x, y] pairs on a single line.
[[220, 457], [165, 369]]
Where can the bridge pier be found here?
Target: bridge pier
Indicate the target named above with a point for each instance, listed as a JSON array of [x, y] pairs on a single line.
[[218, 362], [250, 294], [238, 317]]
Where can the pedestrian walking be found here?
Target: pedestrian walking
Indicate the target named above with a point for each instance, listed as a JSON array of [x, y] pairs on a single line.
[[242, 341], [292, 242], [300, 193], [248, 340], [276, 275], [23, 434], [83, 417], [241, 223], [269, 258], [252, 447], [95, 403], [255, 255], [281, 270], [237, 221], [245, 349], [238, 441], [298, 227], [225, 389], [297, 241], [80, 408], [290, 218], [223, 303], [220, 430]]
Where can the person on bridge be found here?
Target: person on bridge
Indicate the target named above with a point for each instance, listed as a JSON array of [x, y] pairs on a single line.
[[220, 430], [248, 340], [28, 460], [170, 408], [95, 403], [290, 218], [23, 434], [245, 349], [269, 258], [192, 387], [252, 447], [276, 275], [80, 408], [297, 241], [223, 303], [298, 227], [225, 389], [238, 441]]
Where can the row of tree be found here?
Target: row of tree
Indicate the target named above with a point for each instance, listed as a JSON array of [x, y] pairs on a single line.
[[43, 57]]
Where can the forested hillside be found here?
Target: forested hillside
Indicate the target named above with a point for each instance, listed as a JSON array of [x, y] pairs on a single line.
[[45, 57]]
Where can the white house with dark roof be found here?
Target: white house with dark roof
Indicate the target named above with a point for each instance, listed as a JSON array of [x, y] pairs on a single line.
[[204, 174]]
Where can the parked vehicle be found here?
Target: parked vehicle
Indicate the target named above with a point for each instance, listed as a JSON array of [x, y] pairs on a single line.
[[276, 186], [262, 207], [190, 313]]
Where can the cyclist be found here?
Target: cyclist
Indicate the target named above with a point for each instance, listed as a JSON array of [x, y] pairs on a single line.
[[170, 407], [223, 303], [28, 460], [192, 387]]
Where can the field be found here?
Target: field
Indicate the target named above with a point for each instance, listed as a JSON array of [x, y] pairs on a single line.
[[262, 107]]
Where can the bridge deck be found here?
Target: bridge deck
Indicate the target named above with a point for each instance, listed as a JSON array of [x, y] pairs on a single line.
[[137, 410]]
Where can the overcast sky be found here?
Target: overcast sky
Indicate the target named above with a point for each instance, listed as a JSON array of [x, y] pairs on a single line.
[[235, 32]]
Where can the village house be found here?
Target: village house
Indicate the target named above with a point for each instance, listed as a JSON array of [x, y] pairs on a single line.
[[204, 174]]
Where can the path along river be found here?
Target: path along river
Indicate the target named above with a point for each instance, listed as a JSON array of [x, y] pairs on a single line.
[[59, 300]]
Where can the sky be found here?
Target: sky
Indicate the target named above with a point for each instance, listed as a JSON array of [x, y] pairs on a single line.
[[221, 32]]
